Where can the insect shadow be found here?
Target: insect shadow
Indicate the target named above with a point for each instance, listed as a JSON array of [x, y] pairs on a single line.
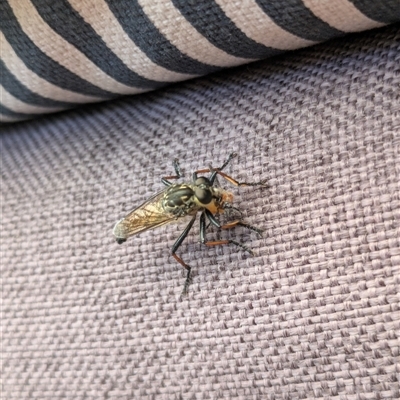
[[187, 199]]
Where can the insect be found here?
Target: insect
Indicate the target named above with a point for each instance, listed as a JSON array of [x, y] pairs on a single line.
[[187, 199]]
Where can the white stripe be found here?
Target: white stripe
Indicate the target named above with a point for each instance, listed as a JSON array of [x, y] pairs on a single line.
[[341, 14], [98, 15], [35, 83], [6, 118], [55, 47], [174, 26], [248, 16], [19, 106]]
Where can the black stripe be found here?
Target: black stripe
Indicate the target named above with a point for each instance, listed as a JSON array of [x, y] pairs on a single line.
[[68, 23], [7, 112], [39, 62], [387, 11], [296, 18], [19, 91], [146, 36], [210, 20]]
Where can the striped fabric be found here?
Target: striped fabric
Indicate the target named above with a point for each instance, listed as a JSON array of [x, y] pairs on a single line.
[[58, 54]]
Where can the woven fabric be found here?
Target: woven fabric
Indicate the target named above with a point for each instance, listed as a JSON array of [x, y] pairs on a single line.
[[314, 314], [60, 54]]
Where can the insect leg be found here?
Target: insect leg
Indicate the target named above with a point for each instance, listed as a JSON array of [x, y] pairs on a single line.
[[210, 169], [228, 207], [234, 181], [228, 160], [178, 172], [232, 224], [218, 171], [175, 247], [215, 222]]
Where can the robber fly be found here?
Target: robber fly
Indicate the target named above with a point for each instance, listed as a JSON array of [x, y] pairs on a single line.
[[186, 199]]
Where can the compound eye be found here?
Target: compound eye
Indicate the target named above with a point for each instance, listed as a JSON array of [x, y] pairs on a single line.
[[202, 181], [203, 195]]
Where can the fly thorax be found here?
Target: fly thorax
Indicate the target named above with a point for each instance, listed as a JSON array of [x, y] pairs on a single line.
[[179, 200], [220, 198]]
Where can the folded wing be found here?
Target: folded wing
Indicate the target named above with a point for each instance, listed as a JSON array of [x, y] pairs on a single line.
[[149, 215]]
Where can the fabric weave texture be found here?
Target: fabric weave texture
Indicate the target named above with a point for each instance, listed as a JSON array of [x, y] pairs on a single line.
[[314, 314]]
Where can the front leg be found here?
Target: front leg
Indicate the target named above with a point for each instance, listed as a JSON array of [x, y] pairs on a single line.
[[214, 171], [218, 171], [216, 223], [178, 173], [237, 183]]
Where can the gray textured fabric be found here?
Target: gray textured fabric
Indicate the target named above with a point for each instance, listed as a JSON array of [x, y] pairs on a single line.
[[314, 314]]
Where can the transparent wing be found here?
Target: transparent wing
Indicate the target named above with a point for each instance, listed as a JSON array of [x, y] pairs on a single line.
[[149, 215]]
